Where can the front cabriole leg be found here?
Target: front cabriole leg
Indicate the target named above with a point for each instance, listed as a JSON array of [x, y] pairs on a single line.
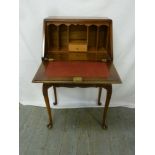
[[45, 94], [108, 97]]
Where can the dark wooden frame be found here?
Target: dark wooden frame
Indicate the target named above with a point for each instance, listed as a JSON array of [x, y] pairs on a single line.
[[100, 83]]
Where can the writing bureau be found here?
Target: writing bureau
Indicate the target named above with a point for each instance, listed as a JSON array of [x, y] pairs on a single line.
[[77, 53]]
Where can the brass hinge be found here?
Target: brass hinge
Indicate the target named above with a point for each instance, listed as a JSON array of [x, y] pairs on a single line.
[[48, 59], [77, 79], [104, 60]]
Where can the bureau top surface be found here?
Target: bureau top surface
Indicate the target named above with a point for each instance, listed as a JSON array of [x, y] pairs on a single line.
[[75, 18]]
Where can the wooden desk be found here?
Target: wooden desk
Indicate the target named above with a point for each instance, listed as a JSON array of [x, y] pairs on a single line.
[[77, 53]]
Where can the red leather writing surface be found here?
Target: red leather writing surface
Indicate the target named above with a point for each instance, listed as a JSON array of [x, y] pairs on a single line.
[[77, 68]]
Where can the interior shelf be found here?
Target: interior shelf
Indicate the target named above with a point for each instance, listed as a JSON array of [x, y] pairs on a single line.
[[78, 33], [78, 38]]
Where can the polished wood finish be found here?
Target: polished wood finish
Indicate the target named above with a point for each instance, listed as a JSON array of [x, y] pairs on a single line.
[[65, 36], [99, 95], [55, 95], [45, 88], [77, 46], [108, 97], [84, 40]]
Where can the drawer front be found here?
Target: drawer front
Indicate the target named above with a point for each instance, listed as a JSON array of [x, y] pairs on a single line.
[[78, 47], [77, 56]]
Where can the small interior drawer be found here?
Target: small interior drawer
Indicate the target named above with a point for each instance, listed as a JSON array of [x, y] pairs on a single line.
[[80, 47]]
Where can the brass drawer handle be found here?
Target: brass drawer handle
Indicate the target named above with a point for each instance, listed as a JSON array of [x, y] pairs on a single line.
[[77, 79]]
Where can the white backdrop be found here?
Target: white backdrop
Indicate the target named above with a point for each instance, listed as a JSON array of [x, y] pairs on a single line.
[[32, 13]]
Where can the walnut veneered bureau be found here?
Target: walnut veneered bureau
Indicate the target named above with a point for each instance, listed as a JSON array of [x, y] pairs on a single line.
[[77, 52]]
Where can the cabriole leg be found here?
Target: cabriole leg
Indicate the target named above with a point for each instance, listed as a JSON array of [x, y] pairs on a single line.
[[108, 97], [99, 95], [45, 94], [55, 95]]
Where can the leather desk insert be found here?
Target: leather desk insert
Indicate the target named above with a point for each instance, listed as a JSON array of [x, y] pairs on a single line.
[[77, 69], [77, 53]]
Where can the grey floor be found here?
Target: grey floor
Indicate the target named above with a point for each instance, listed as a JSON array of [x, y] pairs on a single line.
[[76, 132]]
